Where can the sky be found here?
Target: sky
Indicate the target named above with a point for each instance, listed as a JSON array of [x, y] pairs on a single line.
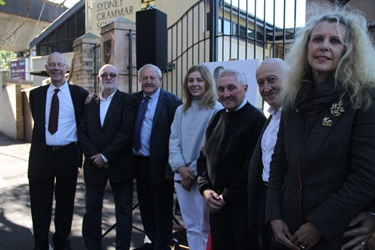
[[68, 3], [279, 22]]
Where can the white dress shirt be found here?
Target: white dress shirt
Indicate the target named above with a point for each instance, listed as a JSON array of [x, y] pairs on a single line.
[[67, 126], [269, 141], [104, 105]]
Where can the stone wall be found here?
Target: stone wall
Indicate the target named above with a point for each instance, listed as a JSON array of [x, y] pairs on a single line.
[[91, 52], [86, 62], [117, 49]]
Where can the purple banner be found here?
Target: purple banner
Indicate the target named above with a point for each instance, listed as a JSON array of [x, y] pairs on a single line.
[[18, 69]]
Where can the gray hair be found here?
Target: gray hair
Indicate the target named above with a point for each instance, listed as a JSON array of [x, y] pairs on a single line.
[[156, 68], [283, 66], [240, 78]]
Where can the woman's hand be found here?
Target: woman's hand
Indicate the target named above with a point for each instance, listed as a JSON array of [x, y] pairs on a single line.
[[365, 223], [306, 236], [282, 234], [188, 177]]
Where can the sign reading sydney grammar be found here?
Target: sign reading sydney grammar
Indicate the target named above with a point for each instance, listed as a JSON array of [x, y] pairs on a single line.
[[101, 12], [110, 10]]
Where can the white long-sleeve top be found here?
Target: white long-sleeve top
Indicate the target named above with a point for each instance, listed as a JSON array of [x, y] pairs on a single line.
[[187, 135]]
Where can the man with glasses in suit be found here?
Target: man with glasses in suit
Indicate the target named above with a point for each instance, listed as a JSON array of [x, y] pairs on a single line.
[[57, 109], [105, 136]]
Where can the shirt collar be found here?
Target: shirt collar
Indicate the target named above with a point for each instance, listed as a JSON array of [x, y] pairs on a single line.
[[275, 113], [62, 88], [154, 95], [239, 107], [109, 97]]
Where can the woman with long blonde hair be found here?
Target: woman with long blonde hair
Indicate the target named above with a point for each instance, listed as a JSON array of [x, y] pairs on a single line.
[[187, 136], [323, 168]]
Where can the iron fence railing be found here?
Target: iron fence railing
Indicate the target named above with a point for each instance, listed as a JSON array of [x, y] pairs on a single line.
[[221, 30], [218, 30]]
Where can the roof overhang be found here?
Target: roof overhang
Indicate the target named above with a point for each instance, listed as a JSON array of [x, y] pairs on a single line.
[[60, 20]]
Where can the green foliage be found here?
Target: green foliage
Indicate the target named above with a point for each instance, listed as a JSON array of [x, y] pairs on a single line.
[[2, 2], [5, 58]]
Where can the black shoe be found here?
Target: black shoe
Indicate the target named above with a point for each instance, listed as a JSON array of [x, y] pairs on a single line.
[[146, 246]]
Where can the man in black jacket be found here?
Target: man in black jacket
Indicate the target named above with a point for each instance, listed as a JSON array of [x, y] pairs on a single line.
[[54, 153], [105, 136]]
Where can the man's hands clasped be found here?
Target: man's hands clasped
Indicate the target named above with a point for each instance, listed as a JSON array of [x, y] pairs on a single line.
[[98, 161], [214, 201]]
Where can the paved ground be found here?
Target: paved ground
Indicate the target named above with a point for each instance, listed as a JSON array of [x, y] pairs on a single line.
[[15, 217]]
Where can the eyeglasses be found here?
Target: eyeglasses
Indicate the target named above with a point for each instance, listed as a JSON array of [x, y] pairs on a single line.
[[112, 75], [52, 64]]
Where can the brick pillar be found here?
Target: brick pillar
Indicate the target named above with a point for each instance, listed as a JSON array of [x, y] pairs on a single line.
[[86, 62], [118, 38]]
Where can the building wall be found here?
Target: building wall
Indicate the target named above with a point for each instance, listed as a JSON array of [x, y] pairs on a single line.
[[368, 9], [174, 9], [11, 114]]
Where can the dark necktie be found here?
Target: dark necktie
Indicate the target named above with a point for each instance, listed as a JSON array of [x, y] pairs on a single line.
[[139, 122], [54, 113]]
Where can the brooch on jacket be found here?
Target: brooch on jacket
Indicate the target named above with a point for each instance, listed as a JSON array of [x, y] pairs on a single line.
[[337, 109], [326, 122]]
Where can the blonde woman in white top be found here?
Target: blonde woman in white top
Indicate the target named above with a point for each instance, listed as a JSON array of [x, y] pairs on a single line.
[[187, 136]]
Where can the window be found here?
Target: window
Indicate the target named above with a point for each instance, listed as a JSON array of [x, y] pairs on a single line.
[[62, 38], [226, 28]]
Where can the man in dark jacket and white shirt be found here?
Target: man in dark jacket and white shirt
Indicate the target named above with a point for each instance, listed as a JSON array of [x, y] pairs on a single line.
[[57, 109]]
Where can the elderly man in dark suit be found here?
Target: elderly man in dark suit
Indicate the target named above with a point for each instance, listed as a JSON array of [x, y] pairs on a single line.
[[105, 136], [150, 147], [270, 78], [57, 109]]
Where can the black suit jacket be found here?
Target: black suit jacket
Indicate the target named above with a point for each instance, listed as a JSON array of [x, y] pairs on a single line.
[[38, 110], [255, 183], [113, 139], [161, 130]]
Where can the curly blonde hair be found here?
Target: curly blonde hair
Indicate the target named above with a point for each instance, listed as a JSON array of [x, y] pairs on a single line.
[[355, 71], [209, 97]]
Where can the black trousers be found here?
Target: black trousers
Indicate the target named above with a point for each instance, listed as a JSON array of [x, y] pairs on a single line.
[[229, 228], [155, 205], [92, 220], [264, 230], [59, 178]]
